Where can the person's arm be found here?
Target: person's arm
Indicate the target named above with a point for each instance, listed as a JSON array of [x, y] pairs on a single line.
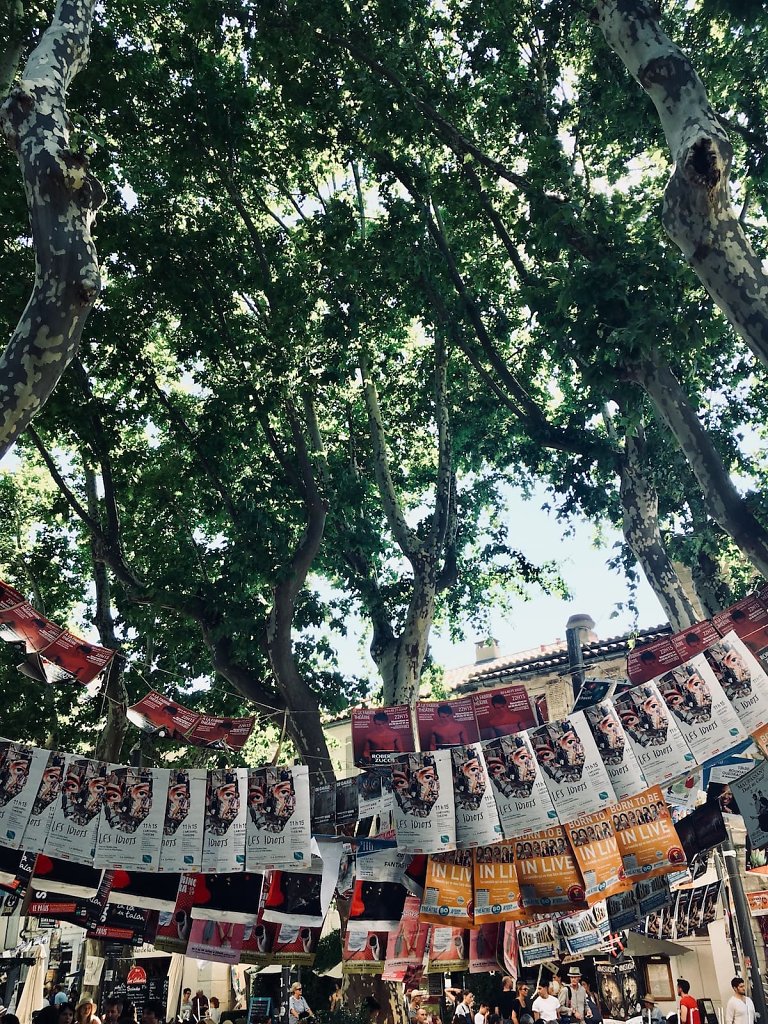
[[730, 1012], [683, 1013]]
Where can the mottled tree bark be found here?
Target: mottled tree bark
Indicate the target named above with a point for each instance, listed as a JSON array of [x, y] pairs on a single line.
[[698, 215], [722, 501], [640, 504], [62, 198]]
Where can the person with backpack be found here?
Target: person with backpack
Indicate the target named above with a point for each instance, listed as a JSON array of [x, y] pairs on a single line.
[[689, 1008], [464, 1014]]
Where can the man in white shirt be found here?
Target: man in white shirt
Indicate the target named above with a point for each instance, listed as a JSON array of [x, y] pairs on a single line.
[[545, 1007], [464, 1008], [740, 1008], [482, 1013]]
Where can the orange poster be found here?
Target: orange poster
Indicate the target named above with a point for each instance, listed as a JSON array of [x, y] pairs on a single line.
[[758, 903], [447, 895], [648, 842], [497, 889], [597, 854], [547, 872]]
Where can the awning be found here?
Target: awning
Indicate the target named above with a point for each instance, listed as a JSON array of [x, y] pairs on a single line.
[[646, 945], [332, 972]]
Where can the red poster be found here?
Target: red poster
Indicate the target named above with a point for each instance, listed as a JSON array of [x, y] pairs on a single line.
[[748, 619], [503, 712], [446, 723], [154, 711], [222, 733], [379, 732]]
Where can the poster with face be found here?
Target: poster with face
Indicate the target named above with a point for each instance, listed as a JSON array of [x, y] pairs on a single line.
[[648, 842], [572, 767], [597, 854], [538, 943], [425, 818], [522, 799], [182, 845], [656, 740], [617, 988], [681, 928], [44, 804], [703, 713], [448, 950], [483, 949], [447, 723], [221, 733], [748, 619], [652, 660], [447, 895], [374, 796], [407, 943], [278, 826], [497, 889], [364, 951], [132, 815], [743, 679], [709, 904], [76, 815], [21, 772], [220, 941], [155, 711], [225, 819], [547, 872], [378, 733], [615, 749], [585, 930], [751, 792], [503, 712], [477, 820]]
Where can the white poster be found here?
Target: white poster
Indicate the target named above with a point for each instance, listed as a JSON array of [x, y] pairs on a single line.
[[182, 846], [522, 798], [381, 865], [225, 817], [132, 815], [21, 772], [743, 679], [75, 819], [615, 749], [573, 769], [586, 929], [661, 751], [374, 796], [425, 819], [44, 804], [706, 717], [751, 792], [477, 820], [278, 831], [538, 943]]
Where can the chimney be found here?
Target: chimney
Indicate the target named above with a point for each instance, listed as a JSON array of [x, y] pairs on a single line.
[[486, 650], [585, 627]]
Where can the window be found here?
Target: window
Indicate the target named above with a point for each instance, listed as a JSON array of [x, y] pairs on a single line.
[[658, 978]]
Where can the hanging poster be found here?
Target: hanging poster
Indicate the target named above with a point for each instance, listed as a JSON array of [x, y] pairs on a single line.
[[751, 792], [503, 712], [345, 883], [758, 903], [448, 950], [377, 733], [425, 818], [510, 952], [374, 796], [182, 846], [585, 930], [174, 926], [648, 661], [477, 820], [522, 798], [219, 941], [652, 894], [145, 889], [547, 872], [446, 723], [221, 733], [656, 740], [448, 890], [323, 809], [132, 815], [233, 897], [407, 943], [573, 769], [538, 943], [278, 827], [303, 898], [346, 803], [497, 889], [125, 924], [75, 819], [743, 679], [681, 927], [709, 904], [616, 751], [704, 714], [21, 773], [623, 910], [483, 946], [617, 988], [225, 821], [44, 804], [647, 840], [684, 791], [155, 712], [748, 619], [696, 908], [384, 865], [378, 905], [364, 951], [597, 855]]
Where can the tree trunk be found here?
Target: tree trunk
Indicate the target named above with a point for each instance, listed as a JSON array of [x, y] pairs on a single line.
[[11, 51], [640, 503], [697, 215], [62, 198], [723, 502], [401, 658], [711, 589]]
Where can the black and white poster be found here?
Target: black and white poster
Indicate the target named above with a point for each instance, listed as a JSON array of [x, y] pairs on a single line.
[[477, 820], [278, 833], [21, 773], [425, 819], [615, 749], [225, 820], [132, 815], [522, 798], [182, 845], [44, 804], [76, 814], [656, 740]]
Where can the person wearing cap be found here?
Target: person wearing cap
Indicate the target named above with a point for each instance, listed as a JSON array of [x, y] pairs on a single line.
[[650, 1012], [573, 998], [740, 1009]]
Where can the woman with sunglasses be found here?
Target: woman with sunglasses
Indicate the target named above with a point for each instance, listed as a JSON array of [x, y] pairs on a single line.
[[298, 1007]]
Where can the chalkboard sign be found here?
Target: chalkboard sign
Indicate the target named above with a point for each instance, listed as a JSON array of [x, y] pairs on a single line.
[[259, 1009]]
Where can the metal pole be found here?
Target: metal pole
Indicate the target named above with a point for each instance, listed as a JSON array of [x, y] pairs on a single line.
[[573, 630], [744, 923]]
